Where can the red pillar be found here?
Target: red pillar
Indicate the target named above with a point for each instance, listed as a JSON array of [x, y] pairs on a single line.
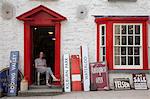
[[57, 49], [27, 52], [109, 45]]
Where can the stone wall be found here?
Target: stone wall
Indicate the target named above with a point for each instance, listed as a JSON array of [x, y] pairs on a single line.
[[75, 31]]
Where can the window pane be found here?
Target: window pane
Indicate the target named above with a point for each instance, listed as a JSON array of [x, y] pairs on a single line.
[[117, 50], [123, 50], [130, 60], [117, 60], [103, 58], [103, 50], [117, 40], [137, 40], [130, 50], [103, 30], [130, 29], [137, 29], [117, 29], [124, 40], [103, 40], [136, 60], [123, 29], [130, 40], [123, 60], [136, 50]]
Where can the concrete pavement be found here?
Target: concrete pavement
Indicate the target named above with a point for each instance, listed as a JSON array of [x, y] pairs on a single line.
[[126, 94]]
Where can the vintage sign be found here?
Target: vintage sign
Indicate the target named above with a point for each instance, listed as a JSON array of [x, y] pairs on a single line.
[[13, 73], [121, 83], [86, 68], [139, 81], [4, 75], [66, 64], [76, 73], [99, 76]]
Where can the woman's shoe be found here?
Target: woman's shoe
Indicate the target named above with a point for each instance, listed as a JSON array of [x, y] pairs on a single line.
[[56, 79], [48, 85]]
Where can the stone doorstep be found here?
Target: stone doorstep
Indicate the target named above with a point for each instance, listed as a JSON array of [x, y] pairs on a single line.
[[42, 90]]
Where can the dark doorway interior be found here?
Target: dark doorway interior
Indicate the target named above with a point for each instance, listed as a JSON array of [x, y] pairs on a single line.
[[43, 39]]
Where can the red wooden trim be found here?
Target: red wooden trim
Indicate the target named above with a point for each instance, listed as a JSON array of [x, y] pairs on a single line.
[[145, 46], [98, 43], [27, 52], [97, 20], [57, 49], [30, 20], [109, 38], [109, 45], [25, 15]]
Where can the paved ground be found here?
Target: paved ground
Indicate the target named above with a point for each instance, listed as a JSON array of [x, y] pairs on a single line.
[[127, 94]]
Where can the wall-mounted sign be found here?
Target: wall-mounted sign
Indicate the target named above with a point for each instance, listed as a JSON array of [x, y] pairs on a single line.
[[121, 83], [86, 68], [99, 76], [139, 81], [13, 73], [66, 64]]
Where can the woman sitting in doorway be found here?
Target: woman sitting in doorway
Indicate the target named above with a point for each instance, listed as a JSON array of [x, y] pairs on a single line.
[[41, 66]]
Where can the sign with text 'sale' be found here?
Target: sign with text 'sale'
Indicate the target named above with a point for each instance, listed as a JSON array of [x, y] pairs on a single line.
[[66, 64], [13, 73], [139, 81], [86, 68], [99, 76], [121, 83]]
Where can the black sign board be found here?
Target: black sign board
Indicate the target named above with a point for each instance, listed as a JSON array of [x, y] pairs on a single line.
[[121, 83], [139, 81]]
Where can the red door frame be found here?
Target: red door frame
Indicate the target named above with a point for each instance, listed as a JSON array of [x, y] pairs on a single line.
[[109, 37], [40, 16]]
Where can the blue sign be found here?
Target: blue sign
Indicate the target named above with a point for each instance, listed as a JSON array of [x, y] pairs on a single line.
[[4, 81], [13, 73], [4, 75]]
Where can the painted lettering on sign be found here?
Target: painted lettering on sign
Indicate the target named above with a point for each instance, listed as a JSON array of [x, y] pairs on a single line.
[[85, 65], [67, 85], [140, 81], [13, 72], [121, 83], [99, 76]]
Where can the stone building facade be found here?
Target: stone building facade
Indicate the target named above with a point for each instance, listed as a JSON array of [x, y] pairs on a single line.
[[75, 31]]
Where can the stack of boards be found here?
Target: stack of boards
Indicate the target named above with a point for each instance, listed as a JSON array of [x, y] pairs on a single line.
[[72, 75]]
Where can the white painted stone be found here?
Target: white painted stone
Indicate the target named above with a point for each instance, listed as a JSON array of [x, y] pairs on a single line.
[[74, 31]]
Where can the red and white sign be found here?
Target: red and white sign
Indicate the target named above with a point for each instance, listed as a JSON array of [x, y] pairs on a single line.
[[66, 64], [85, 67], [75, 73], [99, 76]]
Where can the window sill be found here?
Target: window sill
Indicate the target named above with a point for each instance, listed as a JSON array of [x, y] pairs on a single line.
[[129, 71]]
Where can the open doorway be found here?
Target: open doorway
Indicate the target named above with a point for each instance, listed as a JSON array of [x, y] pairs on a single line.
[[43, 39]]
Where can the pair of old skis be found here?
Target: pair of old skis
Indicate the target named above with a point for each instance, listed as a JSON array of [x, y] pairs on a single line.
[[73, 81]]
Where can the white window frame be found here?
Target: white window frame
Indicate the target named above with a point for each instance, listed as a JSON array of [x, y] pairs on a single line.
[[100, 39], [141, 49]]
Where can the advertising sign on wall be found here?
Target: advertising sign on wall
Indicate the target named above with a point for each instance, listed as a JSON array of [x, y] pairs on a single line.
[[99, 76], [121, 83], [86, 68], [139, 81], [66, 64], [13, 73]]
